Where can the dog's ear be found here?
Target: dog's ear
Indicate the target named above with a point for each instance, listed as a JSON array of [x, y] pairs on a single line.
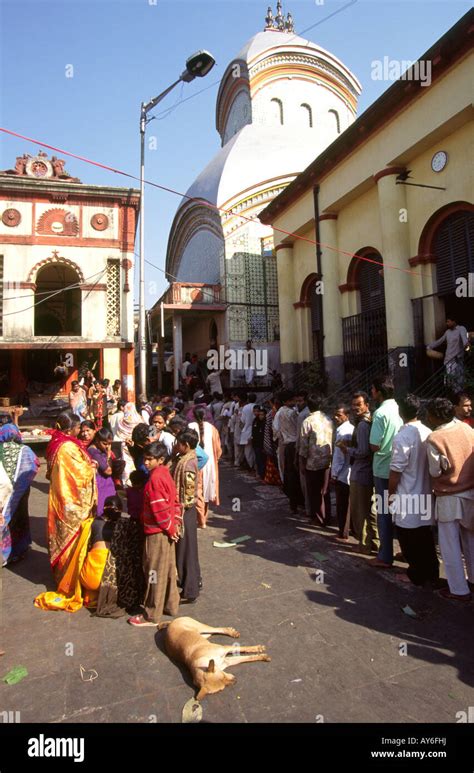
[[211, 667], [201, 694]]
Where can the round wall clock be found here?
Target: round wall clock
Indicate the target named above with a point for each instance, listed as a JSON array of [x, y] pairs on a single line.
[[439, 161]]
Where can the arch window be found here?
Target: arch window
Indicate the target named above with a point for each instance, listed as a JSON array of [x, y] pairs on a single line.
[[337, 122], [60, 314], [307, 115], [277, 111]]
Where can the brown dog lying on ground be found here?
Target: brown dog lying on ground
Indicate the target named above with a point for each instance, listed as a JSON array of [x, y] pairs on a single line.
[[186, 642]]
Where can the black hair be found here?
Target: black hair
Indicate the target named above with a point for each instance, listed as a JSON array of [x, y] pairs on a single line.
[[113, 503], [409, 407], [104, 434], [177, 421], [441, 408], [315, 402], [188, 437], [157, 450], [121, 405], [67, 420], [160, 412], [138, 477], [140, 434], [88, 423], [199, 415], [343, 407], [166, 411], [456, 397], [286, 395], [384, 385], [360, 393], [252, 397], [301, 393], [178, 407], [105, 382], [73, 383]]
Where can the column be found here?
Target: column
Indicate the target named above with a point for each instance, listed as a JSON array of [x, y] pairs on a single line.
[[333, 345], [127, 374], [398, 284], [286, 299], [177, 347]]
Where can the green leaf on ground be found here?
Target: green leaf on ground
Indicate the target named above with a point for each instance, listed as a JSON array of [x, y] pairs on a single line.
[[16, 675], [409, 611], [241, 539], [192, 712]]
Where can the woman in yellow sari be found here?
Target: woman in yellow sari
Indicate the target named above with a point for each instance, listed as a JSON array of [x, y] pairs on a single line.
[[71, 508]]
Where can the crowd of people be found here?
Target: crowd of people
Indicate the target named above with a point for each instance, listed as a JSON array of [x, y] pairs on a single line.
[[131, 483]]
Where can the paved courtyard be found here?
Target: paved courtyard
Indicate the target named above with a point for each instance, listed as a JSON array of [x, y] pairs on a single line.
[[342, 648]]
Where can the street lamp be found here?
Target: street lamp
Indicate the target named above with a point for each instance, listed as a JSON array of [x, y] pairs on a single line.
[[197, 66]]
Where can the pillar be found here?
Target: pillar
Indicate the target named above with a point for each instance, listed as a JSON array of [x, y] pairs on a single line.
[[286, 299], [398, 283], [177, 347], [333, 345], [127, 374]]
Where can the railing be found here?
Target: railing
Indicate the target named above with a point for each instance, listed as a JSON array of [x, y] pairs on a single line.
[[364, 338], [192, 293]]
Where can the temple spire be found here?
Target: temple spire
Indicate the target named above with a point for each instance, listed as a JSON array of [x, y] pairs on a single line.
[[278, 22]]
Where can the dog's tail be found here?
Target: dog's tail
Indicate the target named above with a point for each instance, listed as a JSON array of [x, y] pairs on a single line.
[[162, 626]]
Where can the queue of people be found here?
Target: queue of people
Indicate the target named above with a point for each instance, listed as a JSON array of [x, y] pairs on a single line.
[[126, 502]]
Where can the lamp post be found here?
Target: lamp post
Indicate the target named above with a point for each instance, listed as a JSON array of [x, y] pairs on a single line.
[[197, 66]]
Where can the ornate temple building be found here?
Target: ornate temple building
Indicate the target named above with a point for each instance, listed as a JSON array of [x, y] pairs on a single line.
[[66, 280], [281, 100]]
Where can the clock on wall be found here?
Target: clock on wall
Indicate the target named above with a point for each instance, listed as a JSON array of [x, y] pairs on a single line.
[[439, 161]]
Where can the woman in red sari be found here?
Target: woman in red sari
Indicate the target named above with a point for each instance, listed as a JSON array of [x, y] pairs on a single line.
[[71, 506]]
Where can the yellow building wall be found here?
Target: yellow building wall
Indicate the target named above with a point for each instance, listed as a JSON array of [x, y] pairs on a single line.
[[112, 364]]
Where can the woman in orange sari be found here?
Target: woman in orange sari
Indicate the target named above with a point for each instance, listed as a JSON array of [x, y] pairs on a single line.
[[71, 508]]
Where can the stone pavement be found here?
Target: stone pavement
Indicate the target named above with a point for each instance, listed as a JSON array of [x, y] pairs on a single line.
[[336, 639]]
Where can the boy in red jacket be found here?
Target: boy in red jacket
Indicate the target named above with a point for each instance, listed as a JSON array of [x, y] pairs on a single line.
[[160, 519]]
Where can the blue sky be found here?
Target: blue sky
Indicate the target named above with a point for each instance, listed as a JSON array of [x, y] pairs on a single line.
[[126, 51]]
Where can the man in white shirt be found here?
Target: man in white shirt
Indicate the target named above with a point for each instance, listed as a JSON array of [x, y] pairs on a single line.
[[213, 381], [246, 433], [285, 431], [410, 497], [301, 400], [341, 470]]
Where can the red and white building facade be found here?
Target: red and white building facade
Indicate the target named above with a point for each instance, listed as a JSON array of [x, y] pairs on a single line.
[[66, 277]]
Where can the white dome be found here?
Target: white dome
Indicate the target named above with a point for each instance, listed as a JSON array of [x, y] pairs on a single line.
[[251, 156], [264, 42]]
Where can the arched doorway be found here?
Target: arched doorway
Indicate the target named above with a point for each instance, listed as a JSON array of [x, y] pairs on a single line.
[[365, 333], [312, 300], [57, 313], [453, 247]]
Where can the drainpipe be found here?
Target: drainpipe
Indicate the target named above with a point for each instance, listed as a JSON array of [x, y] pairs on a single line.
[[319, 268]]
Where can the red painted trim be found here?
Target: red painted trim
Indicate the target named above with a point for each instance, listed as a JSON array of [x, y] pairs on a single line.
[[307, 288], [302, 305], [354, 265], [328, 216], [425, 244], [387, 171], [19, 286], [422, 260], [66, 241], [56, 344], [101, 287], [348, 287]]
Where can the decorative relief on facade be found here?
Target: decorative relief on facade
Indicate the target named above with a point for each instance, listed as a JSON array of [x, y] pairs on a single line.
[[113, 298], [11, 217], [99, 221], [58, 222], [55, 258]]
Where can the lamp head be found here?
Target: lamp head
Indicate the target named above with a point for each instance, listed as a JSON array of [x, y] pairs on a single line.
[[198, 65]]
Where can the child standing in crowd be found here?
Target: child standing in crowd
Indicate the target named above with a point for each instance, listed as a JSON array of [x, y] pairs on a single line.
[[161, 519], [185, 472], [135, 494], [100, 451]]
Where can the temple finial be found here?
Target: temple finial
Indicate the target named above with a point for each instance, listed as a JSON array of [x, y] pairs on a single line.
[[279, 22]]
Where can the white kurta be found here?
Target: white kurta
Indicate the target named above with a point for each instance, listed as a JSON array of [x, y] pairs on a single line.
[[209, 471]]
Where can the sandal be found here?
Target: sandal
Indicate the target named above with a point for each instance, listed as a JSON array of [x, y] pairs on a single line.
[[141, 622]]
